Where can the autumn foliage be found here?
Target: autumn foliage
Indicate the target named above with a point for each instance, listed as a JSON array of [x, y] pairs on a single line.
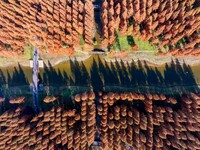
[[139, 121], [59, 25], [148, 121], [172, 23], [56, 24], [53, 129]]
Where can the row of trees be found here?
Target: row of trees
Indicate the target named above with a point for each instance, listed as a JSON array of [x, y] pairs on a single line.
[[174, 24], [57, 24], [61, 25], [142, 121], [54, 129], [170, 123]]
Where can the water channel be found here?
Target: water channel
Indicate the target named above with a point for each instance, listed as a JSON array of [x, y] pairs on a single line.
[[98, 74]]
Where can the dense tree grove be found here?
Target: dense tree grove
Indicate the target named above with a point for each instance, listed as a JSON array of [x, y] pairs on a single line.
[[149, 121], [172, 23], [53, 129], [56, 23], [61, 25], [122, 120]]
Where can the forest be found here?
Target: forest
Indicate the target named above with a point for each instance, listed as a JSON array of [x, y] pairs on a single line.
[[172, 24], [68, 26], [127, 105], [115, 120], [58, 25]]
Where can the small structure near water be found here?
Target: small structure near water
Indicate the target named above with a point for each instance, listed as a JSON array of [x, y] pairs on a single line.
[[40, 63]]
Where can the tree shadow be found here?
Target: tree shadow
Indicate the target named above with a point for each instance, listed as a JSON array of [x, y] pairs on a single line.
[[171, 75], [2, 78], [129, 75], [130, 40], [117, 76], [102, 74], [80, 73], [96, 80], [16, 79], [117, 40], [109, 73], [152, 78], [53, 77]]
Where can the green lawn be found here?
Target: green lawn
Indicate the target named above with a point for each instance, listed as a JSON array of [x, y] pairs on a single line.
[[124, 42], [121, 43], [145, 46], [28, 51]]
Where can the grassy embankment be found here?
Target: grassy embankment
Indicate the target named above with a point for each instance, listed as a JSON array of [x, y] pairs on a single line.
[[27, 54], [125, 42]]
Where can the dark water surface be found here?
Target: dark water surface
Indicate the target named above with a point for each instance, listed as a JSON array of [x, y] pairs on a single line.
[[95, 74], [96, 69], [72, 77]]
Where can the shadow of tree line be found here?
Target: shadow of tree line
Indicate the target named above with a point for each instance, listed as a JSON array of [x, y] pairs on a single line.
[[122, 74], [101, 74], [17, 78]]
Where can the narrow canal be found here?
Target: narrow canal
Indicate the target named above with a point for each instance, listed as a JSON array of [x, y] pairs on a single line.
[[95, 72]]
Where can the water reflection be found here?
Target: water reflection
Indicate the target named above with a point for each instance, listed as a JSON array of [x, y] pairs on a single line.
[[127, 120], [100, 75]]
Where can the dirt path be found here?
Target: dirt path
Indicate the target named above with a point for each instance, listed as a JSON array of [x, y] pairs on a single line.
[[148, 57], [154, 60], [53, 59]]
